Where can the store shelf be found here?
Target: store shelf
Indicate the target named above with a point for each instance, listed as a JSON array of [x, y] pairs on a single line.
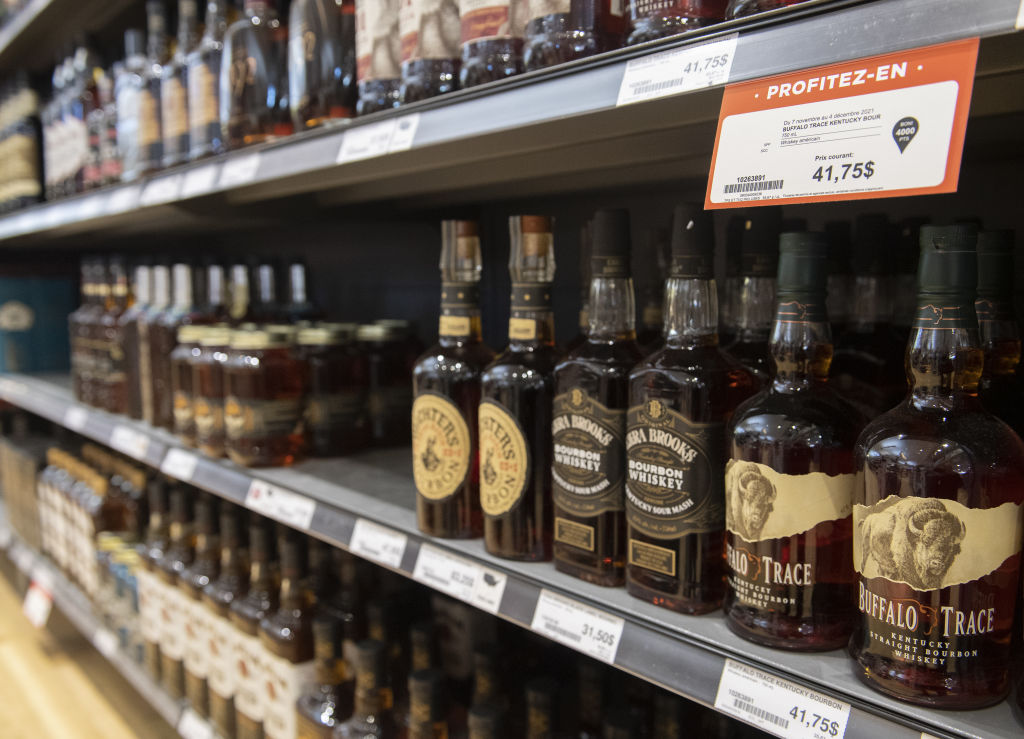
[[78, 609], [365, 504], [551, 131]]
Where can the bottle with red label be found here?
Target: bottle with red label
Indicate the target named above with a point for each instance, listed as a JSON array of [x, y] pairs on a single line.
[[492, 39], [321, 61], [563, 30], [655, 19], [378, 55], [431, 34]]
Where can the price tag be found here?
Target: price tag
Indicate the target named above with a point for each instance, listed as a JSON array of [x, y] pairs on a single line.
[[123, 199], [677, 70], [192, 726], [281, 505], [779, 706], [90, 207], [378, 543], [404, 133], [240, 170], [460, 578], [179, 464], [129, 441], [889, 125], [38, 605], [579, 626], [199, 181], [366, 142], [162, 190], [75, 418], [105, 642]]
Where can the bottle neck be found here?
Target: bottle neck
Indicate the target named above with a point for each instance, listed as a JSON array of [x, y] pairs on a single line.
[[532, 322], [232, 558], [872, 302], [156, 42], [612, 313], [944, 357], [297, 284], [756, 307], [460, 313], [259, 574], [265, 281], [188, 26], [207, 547], [801, 342], [216, 20], [999, 334], [215, 286], [142, 282], [372, 701], [691, 311], [239, 291], [161, 287], [183, 295]]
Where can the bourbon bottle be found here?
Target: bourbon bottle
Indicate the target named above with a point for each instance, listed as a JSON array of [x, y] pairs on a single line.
[[321, 61], [130, 402], [179, 555], [111, 351], [589, 417], [198, 619], [378, 55], [163, 338], [372, 716], [174, 87], [182, 393], [335, 420], [205, 137], [328, 701], [937, 508], [430, 34], [680, 400], [492, 40], [1001, 388], [789, 481], [565, 30], [150, 589], [515, 409], [655, 19], [150, 118], [446, 385]]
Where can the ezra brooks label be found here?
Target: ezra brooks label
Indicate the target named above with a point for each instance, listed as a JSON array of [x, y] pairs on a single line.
[[440, 446], [588, 470]]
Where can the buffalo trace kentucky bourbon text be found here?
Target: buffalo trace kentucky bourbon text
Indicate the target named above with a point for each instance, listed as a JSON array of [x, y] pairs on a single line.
[[937, 508]]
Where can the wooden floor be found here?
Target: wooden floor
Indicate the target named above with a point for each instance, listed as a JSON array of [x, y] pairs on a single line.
[[53, 683]]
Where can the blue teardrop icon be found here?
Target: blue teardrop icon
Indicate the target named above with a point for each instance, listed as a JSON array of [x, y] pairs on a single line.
[[904, 132]]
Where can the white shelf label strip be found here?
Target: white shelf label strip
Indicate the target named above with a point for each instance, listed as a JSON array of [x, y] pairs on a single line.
[[129, 441], [460, 578], [179, 464], [379, 543], [378, 139], [240, 170], [579, 626], [161, 190], [282, 505], [199, 181], [677, 70], [75, 418], [192, 726]]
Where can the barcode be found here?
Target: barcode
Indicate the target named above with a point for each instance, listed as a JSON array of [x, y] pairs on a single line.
[[649, 87], [754, 186], [564, 632], [761, 713]]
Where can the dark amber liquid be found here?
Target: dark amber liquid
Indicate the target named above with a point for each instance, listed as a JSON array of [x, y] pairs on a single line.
[[181, 380], [326, 86], [601, 369], [704, 385], [337, 371], [256, 60], [427, 78], [753, 353], [208, 384], [490, 60]]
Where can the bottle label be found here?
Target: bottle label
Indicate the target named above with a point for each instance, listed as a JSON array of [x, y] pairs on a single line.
[[172, 622], [937, 579], [541, 8], [149, 119], [459, 302], [149, 605], [261, 418], [674, 484], [174, 107], [574, 534], [942, 315], [220, 643], [183, 414], [284, 683], [197, 631], [588, 471], [333, 410], [378, 42], [209, 417], [430, 29], [440, 447], [504, 459], [202, 98], [249, 660], [493, 19]]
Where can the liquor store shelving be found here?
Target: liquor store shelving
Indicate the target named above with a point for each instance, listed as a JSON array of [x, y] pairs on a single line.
[[544, 132], [365, 504]]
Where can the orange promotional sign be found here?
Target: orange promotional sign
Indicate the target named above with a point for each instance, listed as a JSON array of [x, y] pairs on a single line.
[[884, 126]]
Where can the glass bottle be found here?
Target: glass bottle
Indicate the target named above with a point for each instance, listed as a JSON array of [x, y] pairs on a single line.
[[937, 508], [840, 280], [300, 305], [150, 108], [680, 400], [336, 389], [321, 61], [182, 394], [267, 308], [428, 708], [586, 247], [430, 34], [174, 87], [110, 156], [378, 55], [446, 386], [651, 269], [565, 30], [217, 300], [128, 93], [1001, 389], [329, 701], [152, 551], [179, 555], [492, 40], [203, 65], [517, 390], [163, 338], [129, 402], [96, 126], [389, 399], [742, 8], [208, 390], [589, 417], [79, 321], [790, 478], [111, 352], [198, 618], [373, 699], [148, 330], [655, 19], [242, 295], [254, 77]]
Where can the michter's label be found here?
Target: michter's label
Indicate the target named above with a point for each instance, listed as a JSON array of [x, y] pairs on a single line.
[[504, 459], [460, 301], [588, 470], [931, 575], [440, 447]]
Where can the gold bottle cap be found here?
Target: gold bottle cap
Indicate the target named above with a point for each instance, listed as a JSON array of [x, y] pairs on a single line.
[[190, 334]]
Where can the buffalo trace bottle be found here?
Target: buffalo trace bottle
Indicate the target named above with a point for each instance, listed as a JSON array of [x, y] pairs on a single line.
[[321, 61], [564, 30], [150, 589], [654, 19], [336, 382], [328, 701], [130, 403], [179, 555], [515, 407], [174, 87], [430, 34], [372, 716], [1001, 389], [937, 508], [446, 385], [589, 417], [789, 481], [492, 40], [205, 137], [199, 620], [230, 584], [378, 55], [680, 400]]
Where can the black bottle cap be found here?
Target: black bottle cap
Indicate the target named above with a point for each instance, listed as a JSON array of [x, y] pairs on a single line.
[[693, 242], [610, 255], [837, 233], [949, 260], [872, 234], [371, 664], [995, 264], [759, 248], [906, 243], [426, 695], [134, 42]]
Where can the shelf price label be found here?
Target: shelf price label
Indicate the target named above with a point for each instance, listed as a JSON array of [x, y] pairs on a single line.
[[192, 726], [161, 190], [677, 70], [38, 604], [778, 706], [884, 126], [124, 199], [379, 543], [105, 642], [579, 626], [460, 578], [12, 388], [129, 441], [199, 181], [282, 505], [179, 464], [75, 418], [239, 170]]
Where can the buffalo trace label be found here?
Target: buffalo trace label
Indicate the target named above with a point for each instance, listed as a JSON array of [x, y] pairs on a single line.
[[378, 44], [924, 565], [440, 446], [491, 19], [430, 29], [504, 459]]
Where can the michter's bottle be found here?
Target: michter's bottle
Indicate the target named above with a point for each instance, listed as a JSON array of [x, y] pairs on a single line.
[[680, 400], [515, 411], [937, 508], [446, 383], [328, 701], [589, 423], [789, 481]]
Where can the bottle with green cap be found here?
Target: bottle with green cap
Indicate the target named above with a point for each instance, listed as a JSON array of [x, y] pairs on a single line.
[[789, 481], [938, 504], [589, 423], [680, 399]]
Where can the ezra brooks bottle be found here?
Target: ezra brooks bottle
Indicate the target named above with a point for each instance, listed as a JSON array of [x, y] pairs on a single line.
[[937, 508]]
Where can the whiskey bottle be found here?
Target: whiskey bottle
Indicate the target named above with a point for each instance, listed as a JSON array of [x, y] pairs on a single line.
[[198, 618], [98, 350], [321, 61], [127, 93], [651, 269], [428, 708], [335, 420], [586, 247], [300, 307], [1001, 389], [150, 589], [378, 55], [515, 408], [389, 392], [589, 417], [161, 299], [208, 390], [680, 400], [492, 40], [129, 402], [179, 555], [563, 31], [486, 721], [182, 394], [110, 352], [789, 482], [430, 34], [542, 708], [217, 300], [163, 338], [446, 386], [937, 508], [174, 87], [329, 701], [203, 64], [373, 699], [150, 109], [267, 309], [254, 77], [655, 20], [77, 321]]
